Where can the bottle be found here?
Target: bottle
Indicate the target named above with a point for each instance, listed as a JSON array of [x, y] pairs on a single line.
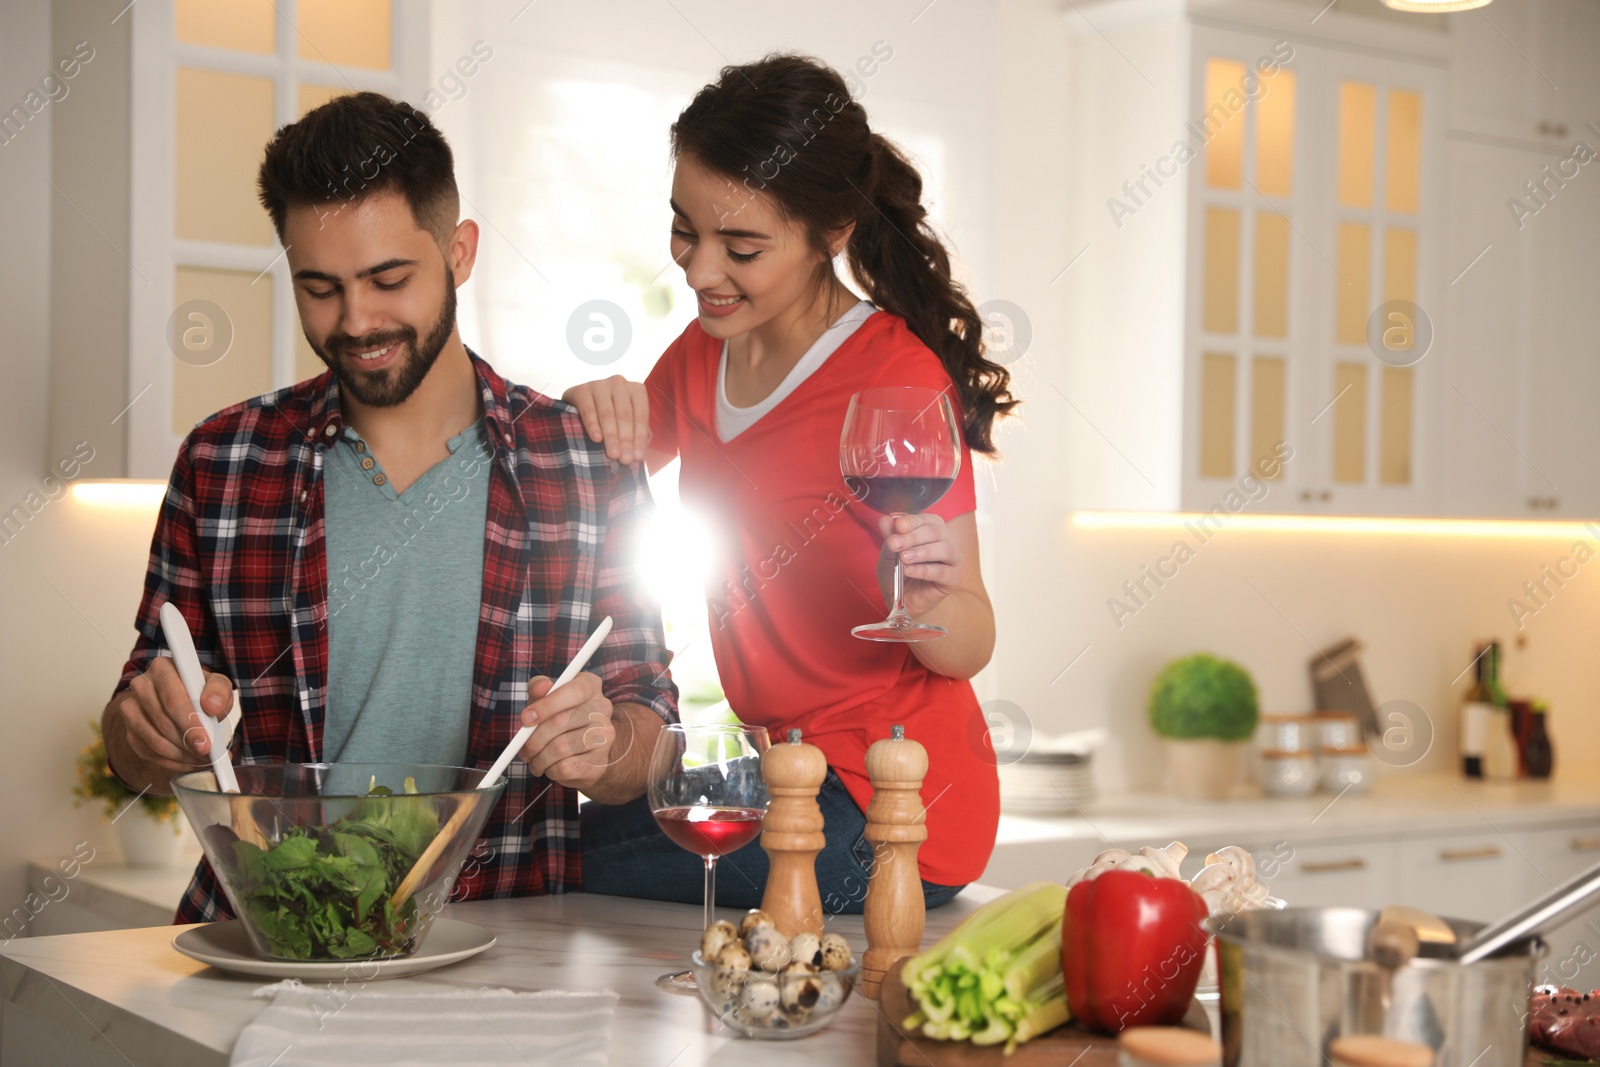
[[1475, 718], [1500, 756], [1538, 755], [1514, 680]]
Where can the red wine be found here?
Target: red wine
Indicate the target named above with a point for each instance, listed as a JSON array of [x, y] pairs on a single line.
[[710, 831], [893, 495]]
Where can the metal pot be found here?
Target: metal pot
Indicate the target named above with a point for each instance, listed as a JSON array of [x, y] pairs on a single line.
[[1294, 980]]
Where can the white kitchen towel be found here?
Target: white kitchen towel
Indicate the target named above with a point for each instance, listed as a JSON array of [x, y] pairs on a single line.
[[332, 1026]]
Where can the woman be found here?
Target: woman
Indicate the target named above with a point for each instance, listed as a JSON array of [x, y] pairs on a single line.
[[777, 174]]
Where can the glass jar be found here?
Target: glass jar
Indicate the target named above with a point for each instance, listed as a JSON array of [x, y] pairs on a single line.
[[1288, 774], [1347, 768], [1287, 733], [1338, 729]]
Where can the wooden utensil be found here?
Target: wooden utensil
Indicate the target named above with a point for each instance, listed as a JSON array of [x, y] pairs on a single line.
[[792, 834], [895, 913], [419, 870]]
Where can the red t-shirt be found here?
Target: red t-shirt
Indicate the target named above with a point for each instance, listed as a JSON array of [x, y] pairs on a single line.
[[797, 568]]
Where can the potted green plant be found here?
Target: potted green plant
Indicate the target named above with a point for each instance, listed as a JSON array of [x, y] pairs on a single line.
[[1205, 709], [148, 825]]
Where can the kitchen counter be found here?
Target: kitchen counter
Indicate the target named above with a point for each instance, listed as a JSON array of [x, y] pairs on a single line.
[[126, 996], [1399, 806]]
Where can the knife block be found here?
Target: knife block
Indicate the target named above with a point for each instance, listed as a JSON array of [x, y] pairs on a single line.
[[895, 911], [792, 835]]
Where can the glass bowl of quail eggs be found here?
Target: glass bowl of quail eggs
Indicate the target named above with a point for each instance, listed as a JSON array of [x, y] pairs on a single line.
[[764, 985]]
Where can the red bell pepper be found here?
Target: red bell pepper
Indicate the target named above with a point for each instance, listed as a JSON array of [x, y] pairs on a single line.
[[1132, 945]]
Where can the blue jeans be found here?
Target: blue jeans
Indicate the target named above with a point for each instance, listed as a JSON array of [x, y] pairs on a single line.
[[625, 854]]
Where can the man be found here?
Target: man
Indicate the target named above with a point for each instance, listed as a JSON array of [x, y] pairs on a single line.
[[380, 557]]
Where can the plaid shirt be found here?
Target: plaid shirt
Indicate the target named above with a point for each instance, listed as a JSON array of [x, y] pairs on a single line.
[[239, 549]]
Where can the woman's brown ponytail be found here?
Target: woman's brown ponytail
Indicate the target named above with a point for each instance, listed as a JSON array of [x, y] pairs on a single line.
[[905, 269], [836, 171]]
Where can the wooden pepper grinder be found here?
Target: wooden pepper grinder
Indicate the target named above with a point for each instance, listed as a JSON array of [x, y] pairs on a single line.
[[896, 826], [792, 835]]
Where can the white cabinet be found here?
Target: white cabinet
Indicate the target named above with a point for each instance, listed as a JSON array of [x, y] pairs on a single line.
[[1266, 205], [1520, 344], [1562, 377], [1548, 858], [1463, 876], [1356, 874], [1238, 253], [1525, 70]]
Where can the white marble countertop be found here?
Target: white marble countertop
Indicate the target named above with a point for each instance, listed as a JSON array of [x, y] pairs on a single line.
[[128, 896], [1398, 804], [127, 997]]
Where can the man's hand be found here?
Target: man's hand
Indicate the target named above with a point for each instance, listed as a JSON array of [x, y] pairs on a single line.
[[583, 741], [573, 732], [153, 733]]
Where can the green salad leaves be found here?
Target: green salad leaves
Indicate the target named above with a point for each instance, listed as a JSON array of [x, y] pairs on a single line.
[[323, 892]]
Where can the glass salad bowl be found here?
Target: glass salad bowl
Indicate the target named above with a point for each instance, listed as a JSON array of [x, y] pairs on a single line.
[[338, 861]]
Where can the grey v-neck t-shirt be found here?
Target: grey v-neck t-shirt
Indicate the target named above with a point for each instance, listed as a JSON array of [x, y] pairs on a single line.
[[405, 581]]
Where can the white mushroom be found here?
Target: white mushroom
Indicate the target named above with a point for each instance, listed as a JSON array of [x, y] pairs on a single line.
[[718, 934], [835, 952], [1161, 862], [1228, 882], [753, 918], [806, 946], [768, 949]]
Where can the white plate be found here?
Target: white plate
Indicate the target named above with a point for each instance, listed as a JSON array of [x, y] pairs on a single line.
[[226, 946]]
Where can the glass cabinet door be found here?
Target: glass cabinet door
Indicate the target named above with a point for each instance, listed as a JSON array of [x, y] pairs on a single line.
[[1311, 226], [1247, 316], [212, 80], [1370, 409]]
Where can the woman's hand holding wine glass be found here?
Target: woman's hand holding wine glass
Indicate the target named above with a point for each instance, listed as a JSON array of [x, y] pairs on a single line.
[[931, 555], [900, 452]]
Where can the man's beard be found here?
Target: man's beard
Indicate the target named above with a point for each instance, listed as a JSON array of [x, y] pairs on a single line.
[[394, 384]]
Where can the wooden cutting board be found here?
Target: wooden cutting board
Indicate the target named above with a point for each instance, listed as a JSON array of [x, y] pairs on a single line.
[[898, 1047]]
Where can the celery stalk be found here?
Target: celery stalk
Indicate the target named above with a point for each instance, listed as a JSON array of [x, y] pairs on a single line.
[[997, 976]]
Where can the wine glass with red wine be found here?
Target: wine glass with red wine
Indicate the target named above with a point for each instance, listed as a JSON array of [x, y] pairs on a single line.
[[900, 453], [708, 796]]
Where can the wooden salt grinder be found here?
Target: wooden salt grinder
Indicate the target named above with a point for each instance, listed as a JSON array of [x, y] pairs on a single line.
[[792, 835], [896, 826]]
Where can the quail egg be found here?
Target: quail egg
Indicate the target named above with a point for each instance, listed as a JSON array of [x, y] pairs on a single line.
[[768, 949], [718, 934], [835, 952], [733, 957], [807, 947], [753, 918], [800, 988], [833, 990], [759, 1001]]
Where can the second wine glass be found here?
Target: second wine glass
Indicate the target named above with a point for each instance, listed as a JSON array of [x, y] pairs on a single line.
[[900, 452], [708, 796]]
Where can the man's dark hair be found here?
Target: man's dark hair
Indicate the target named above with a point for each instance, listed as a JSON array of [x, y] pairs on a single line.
[[357, 145]]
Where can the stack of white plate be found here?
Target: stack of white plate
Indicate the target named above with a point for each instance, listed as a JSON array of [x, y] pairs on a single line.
[[1042, 783]]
